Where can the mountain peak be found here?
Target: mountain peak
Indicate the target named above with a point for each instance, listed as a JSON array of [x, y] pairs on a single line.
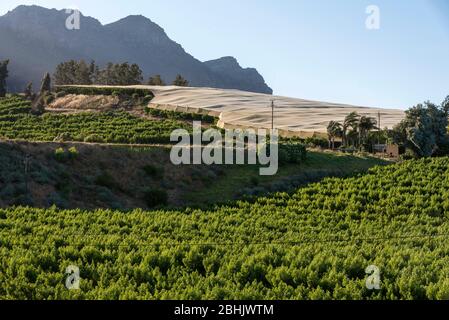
[[36, 40], [139, 28]]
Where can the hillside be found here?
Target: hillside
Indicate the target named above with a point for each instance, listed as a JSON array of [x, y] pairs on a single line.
[[108, 155], [313, 244], [35, 40]]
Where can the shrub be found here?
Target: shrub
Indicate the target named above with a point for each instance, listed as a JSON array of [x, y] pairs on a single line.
[[177, 115], [147, 99], [254, 181], [94, 138], [154, 172], [317, 142], [60, 94], [49, 98], [409, 154], [106, 91], [60, 155], [292, 153], [73, 153], [155, 197], [106, 180]]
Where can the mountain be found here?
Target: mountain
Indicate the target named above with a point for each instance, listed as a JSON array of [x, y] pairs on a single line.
[[36, 39], [248, 79]]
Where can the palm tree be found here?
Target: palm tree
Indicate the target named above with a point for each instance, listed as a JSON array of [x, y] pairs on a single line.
[[350, 122], [365, 125], [334, 129]]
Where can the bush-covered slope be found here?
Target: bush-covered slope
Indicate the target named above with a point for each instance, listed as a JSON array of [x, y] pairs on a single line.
[[110, 127], [313, 244]]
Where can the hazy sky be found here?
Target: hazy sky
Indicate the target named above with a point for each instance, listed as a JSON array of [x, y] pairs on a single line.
[[313, 49]]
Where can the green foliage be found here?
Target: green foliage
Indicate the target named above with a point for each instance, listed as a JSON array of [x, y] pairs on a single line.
[[156, 81], [107, 91], [169, 114], [425, 128], [49, 98], [112, 127], [316, 142], [108, 181], [74, 72], [45, 85], [292, 152], [63, 137], [73, 153], [62, 155], [180, 81], [155, 197], [334, 130], [312, 244], [118, 74], [80, 73], [154, 171], [94, 138], [28, 92], [11, 108]]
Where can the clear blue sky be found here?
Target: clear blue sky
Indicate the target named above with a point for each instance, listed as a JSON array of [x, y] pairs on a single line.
[[313, 49]]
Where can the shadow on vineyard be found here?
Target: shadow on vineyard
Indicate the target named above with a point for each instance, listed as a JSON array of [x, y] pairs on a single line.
[[77, 175], [313, 244]]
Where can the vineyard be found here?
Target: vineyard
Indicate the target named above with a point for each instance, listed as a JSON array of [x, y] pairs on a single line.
[[313, 244], [108, 127]]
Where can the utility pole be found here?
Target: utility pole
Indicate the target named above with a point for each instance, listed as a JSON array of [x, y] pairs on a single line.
[[272, 115]]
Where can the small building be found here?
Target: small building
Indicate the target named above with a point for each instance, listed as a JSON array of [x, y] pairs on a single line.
[[393, 150], [380, 148], [389, 150]]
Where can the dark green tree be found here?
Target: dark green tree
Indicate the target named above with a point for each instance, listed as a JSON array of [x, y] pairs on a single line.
[[350, 122], [365, 126], [3, 76], [445, 106], [424, 129], [120, 74], [180, 81], [45, 84], [74, 72], [334, 130], [156, 81], [28, 92]]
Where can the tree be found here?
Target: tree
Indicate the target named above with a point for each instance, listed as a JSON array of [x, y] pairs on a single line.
[[424, 129], [81, 73], [334, 130], [350, 122], [74, 72], [3, 76], [445, 106], [120, 74], [365, 125], [28, 92], [156, 81], [46, 84], [180, 81]]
